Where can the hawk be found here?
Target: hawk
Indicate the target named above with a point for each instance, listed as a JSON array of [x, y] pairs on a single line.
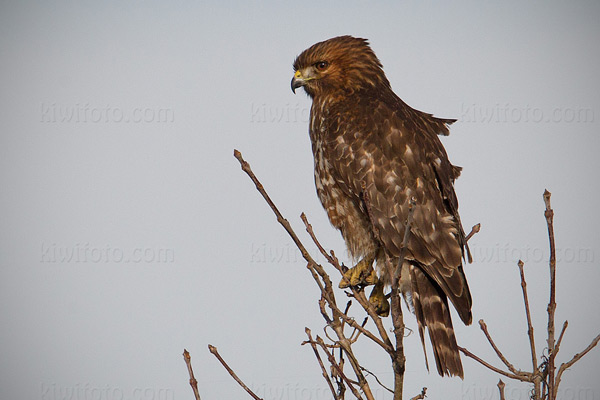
[[375, 157]]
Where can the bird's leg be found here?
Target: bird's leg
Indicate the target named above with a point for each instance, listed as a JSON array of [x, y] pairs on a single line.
[[378, 299], [361, 274]]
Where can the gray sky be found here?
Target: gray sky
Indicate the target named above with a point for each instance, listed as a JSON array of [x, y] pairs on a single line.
[[128, 231]]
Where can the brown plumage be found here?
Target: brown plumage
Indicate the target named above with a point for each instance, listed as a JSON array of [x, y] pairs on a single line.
[[368, 144]]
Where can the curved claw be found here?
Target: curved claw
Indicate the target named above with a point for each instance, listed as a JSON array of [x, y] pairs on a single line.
[[361, 274], [379, 301]]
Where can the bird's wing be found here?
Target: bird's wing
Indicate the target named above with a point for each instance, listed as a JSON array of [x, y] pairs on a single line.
[[387, 159]]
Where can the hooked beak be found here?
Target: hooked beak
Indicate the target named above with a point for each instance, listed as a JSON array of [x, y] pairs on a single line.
[[297, 81]]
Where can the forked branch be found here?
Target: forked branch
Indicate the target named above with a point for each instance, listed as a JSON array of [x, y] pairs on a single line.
[[544, 377]]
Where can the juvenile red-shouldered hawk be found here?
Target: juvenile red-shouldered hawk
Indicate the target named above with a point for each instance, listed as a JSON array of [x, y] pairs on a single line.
[[373, 153]]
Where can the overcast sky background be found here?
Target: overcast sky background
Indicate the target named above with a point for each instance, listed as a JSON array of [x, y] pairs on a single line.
[[128, 231]]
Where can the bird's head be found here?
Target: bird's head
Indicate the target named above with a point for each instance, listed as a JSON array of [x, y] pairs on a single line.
[[342, 63]]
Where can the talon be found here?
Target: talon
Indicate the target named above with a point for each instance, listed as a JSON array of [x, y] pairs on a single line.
[[372, 279], [361, 274], [344, 283], [379, 301]]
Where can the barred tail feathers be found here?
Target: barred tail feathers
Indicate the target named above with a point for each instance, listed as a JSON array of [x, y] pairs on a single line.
[[431, 309]]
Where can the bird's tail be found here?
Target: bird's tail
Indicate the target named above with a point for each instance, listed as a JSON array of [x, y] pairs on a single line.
[[431, 309]]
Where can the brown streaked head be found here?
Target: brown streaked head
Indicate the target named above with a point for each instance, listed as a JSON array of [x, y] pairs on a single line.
[[343, 62]]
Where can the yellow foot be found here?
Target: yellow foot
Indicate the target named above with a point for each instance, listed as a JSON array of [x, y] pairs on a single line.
[[361, 274], [377, 298]]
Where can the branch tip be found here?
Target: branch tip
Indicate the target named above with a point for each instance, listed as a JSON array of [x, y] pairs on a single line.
[[193, 381], [501, 386]]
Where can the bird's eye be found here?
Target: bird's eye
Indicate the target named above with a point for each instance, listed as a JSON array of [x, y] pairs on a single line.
[[321, 65]]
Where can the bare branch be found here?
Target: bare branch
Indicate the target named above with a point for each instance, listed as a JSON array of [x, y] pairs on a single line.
[[534, 367], [549, 214], [576, 357], [336, 344], [193, 381], [528, 315], [331, 259], [361, 328], [352, 322], [501, 386], [560, 337], [357, 294], [284, 222], [522, 376], [339, 370], [510, 367], [377, 379], [322, 301], [475, 229], [385, 342], [545, 377], [323, 370], [214, 351], [421, 395]]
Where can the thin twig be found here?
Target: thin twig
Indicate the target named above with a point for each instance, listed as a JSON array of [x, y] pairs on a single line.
[[330, 257], [284, 222], [362, 299], [193, 381], [528, 315], [322, 302], [398, 357], [377, 379], [214, 351], [576, 357], [323, 370], [534, 367], [327, 290], [329, 346], [346, 345], [523, 376], [357, 331], [357, 294], [544, 377], [560, 337], [316, 269], [475, 229], [338, 318], [501, 386], [549, 214], [544, 391], [338, 369], [421, 395], [352, 322], [510, 367]]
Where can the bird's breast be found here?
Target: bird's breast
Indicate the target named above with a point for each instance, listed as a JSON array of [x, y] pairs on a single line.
[[342, 209]]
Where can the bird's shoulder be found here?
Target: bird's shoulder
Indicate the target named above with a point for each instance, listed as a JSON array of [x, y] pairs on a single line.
[[380, 122]]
